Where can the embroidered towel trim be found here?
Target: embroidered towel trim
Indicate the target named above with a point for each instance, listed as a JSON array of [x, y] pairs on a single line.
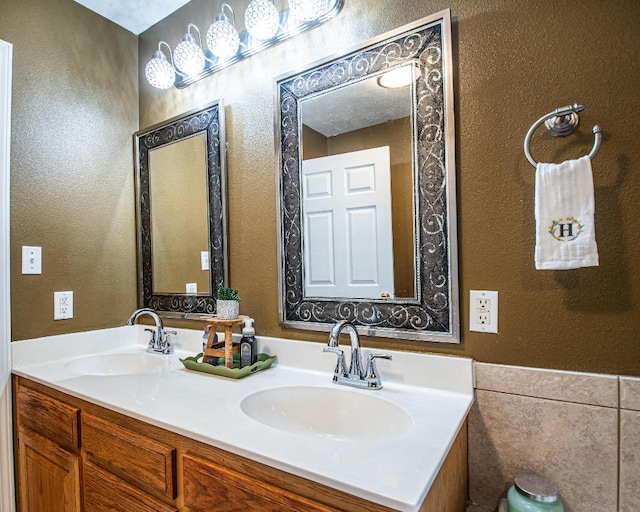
[[564, 208]]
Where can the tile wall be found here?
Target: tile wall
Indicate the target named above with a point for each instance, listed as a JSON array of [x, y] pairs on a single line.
[[580, 430]]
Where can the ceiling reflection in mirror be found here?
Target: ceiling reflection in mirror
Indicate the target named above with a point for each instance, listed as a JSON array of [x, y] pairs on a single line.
[[181, 200], [386, 263]]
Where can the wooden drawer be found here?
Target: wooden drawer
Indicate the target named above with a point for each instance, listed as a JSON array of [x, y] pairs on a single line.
[[48, 416], [145, 463], [103, 492], [210, 487]]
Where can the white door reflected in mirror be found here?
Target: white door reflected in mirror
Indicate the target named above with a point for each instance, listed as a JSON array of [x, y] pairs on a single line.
[[348, 239]]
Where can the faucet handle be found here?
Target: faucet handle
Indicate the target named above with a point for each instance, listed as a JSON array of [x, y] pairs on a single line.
[[152, 337], [339, 371], [166, 346], [372, 376]]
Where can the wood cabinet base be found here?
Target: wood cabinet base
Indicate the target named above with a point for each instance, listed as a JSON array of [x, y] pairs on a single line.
[[154, 470]]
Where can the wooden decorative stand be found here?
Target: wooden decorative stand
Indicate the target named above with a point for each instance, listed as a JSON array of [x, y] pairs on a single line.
[[224, 348]]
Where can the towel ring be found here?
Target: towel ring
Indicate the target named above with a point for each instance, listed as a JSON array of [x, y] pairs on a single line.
[[559, 123]]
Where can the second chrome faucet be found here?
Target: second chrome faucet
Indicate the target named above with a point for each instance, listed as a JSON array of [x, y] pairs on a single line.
[[355, 376], [159, 341]]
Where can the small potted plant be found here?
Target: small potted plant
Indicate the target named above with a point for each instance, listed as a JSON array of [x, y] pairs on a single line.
[[228, 303]]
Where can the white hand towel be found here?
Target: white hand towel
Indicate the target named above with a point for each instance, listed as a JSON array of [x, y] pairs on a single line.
[[564, 208]]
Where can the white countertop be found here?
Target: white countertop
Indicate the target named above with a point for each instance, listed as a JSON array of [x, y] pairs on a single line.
[[436, 391]]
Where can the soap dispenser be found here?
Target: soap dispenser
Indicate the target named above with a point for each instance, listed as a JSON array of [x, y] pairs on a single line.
[[248, 344]]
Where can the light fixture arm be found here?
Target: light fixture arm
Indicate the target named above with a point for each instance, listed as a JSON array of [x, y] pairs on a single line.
[[197, 31], [160, 54], [223, 17]]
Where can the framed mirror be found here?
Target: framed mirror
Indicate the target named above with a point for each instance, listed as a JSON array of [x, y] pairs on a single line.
[[181, 208], [366, 188]]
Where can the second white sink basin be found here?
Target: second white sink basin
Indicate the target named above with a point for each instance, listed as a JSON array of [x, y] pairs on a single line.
[[339, 413], [115, 364]]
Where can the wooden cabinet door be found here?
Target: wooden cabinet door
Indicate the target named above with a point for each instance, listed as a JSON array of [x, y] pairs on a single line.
[[49, 476]]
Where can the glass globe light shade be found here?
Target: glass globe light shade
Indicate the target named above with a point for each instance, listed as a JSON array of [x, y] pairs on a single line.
[[261, 18], [159, 71], [222, 38], [307, 10], [188, 56]]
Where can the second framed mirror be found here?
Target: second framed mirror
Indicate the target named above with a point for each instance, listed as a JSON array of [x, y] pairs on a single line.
[[181, 204]]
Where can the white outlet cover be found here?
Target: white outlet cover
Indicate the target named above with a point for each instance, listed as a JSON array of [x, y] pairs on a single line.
[[483, 303], [62, 305]]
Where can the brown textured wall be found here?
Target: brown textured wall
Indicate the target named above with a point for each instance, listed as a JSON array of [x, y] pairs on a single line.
[[71, 159], [315, 144], [514, 60], [75, 107]]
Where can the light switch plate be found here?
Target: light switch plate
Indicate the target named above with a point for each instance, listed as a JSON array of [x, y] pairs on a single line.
[[31, 260], [483, 311], [204, 260]]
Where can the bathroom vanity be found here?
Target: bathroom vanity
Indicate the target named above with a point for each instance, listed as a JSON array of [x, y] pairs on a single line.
[[154, 436]]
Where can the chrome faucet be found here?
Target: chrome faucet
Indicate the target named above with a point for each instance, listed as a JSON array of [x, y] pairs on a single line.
[[355, 377], [159, 341]]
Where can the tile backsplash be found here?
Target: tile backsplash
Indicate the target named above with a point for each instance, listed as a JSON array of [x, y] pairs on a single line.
[[580, 430]]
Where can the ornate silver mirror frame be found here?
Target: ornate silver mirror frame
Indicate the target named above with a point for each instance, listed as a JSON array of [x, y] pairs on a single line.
[[433, 314], [208, 122]]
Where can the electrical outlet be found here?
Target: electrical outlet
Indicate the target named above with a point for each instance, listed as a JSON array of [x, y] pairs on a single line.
[[31, 260], [483, 314], [62, 305], [483, 311], [483, 318]]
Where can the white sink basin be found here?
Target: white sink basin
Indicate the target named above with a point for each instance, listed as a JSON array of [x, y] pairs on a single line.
[[339, 413], [115, 364]]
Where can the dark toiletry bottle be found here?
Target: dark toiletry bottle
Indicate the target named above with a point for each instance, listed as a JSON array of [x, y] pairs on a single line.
[[248, 344]]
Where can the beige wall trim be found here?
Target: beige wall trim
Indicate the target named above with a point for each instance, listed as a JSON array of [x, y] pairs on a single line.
[[7, 499], [566, 386]]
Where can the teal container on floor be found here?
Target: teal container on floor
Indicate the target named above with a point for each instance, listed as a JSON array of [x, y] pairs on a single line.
[[532, 493]]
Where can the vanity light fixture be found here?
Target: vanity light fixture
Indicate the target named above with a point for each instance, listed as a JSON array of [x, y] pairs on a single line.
[[307, 10], [265, 27], [222, 37], [262, 19], [188, 56], [159, 70], [396, 77]]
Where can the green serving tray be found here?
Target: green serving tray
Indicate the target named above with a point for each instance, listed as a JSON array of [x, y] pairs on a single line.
[[263, 362]]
